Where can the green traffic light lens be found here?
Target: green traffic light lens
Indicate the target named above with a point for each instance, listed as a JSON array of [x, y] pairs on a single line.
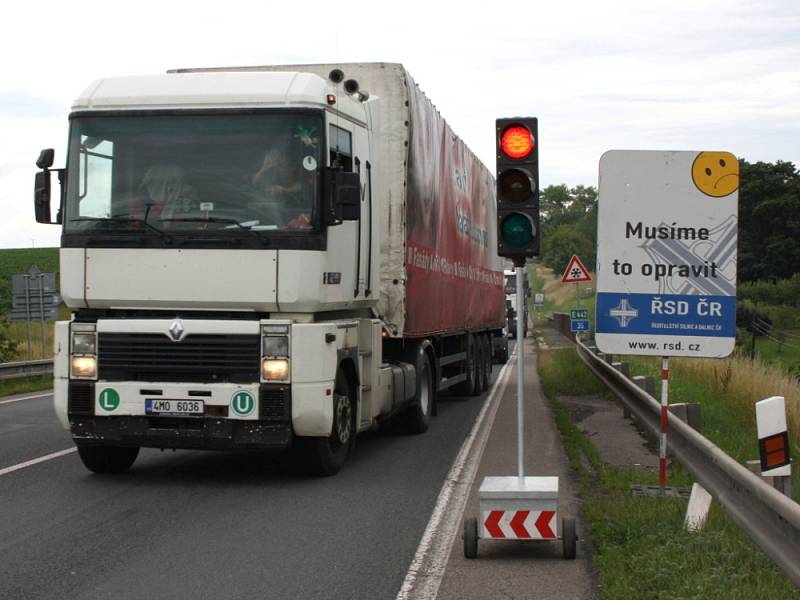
[[517, 230]]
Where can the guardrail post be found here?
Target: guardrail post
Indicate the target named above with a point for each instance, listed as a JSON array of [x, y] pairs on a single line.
[[623, 368], [648, 384], [694, 415]]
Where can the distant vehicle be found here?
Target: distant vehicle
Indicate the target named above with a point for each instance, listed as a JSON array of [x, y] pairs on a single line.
[[511, 304], [267, 257]]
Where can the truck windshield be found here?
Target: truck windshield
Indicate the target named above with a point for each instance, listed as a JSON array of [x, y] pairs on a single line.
[[179, 175]]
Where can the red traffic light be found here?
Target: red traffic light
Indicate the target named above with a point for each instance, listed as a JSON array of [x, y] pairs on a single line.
[[517, 141]]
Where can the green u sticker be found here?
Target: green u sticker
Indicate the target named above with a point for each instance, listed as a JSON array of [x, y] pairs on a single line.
[[243, 404]]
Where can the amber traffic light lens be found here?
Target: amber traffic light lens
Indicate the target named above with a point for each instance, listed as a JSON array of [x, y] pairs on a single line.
[[515, 186], [517, 141]]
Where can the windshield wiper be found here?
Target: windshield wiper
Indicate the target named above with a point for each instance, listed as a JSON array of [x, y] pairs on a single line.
[[122, 219], [262, 240]]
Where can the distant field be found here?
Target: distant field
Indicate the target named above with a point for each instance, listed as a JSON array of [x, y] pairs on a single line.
[[18, 261]]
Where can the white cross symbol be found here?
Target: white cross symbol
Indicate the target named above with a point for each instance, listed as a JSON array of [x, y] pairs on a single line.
[[624, 312]]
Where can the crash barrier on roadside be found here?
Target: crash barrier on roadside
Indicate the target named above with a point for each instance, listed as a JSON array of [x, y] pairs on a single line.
[[25, 368], [561, 321], [771, 519]]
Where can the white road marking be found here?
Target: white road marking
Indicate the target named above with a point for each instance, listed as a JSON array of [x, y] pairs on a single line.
[[36, 461], [26, 398], [430, 561]]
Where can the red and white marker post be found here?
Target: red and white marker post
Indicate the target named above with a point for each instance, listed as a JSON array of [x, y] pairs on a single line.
[[662, 447]]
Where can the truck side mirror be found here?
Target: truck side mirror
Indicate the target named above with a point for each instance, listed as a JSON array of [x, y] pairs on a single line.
[[41, 187], [344, 196], [45, 160], [41, 197]]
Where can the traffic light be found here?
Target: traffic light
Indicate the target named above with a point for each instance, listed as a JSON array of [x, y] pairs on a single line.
[[517, 188]]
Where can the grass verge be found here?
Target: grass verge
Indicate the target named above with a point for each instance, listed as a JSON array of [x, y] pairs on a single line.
[[641, 548], [9, 387]]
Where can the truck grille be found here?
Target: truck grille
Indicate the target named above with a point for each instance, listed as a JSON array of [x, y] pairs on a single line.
[[196, 358], [80, 398], [275, 403]]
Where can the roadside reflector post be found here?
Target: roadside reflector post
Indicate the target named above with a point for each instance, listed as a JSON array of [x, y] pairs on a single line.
[[773, 443], [662, 447]]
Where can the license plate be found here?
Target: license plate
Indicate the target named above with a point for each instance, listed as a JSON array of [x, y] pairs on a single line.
[[156, 406]]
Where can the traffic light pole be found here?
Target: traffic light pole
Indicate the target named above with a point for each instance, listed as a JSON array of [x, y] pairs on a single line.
[[520, 373]]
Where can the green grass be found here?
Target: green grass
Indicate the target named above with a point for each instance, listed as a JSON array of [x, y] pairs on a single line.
[[9, 387], [641, 548], [19, 260], [16, 332]]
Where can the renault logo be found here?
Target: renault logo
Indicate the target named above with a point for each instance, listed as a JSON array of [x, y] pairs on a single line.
[[176, 330]]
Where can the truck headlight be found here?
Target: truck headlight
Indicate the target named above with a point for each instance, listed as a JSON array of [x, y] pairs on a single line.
[[83, 351], [273, 369], [84, 366]]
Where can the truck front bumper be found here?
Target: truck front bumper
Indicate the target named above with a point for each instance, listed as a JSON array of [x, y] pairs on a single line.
[[185, 433]]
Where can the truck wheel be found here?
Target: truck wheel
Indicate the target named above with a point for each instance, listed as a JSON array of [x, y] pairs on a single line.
[[107, 459], [471, 538], [326, 455], [418, 416], [487, 361], [480, 366], [467, 387], [569, 537]]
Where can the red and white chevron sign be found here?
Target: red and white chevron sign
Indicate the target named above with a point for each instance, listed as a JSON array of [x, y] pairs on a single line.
[[520, 524]]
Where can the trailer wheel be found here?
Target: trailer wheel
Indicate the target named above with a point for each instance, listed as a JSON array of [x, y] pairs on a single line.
[[471, 538], [486, 343], [569, 537], [418, 416], [326, 455], [107, 459]]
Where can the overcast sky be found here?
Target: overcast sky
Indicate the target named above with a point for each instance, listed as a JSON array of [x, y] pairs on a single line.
[[677, 75]]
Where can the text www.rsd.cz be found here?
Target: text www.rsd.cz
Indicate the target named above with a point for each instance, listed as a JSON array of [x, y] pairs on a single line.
[[665, 346]]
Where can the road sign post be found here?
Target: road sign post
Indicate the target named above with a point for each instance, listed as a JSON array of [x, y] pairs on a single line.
[[34, 296], [666, 258], [576, 273]]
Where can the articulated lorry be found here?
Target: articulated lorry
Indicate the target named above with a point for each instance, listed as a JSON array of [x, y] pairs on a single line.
[[267, 258]]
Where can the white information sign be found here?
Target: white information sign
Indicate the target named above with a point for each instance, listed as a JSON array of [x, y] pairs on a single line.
[[666, 255]]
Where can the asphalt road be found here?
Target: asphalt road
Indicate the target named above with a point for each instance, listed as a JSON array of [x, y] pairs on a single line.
[[216, 525]]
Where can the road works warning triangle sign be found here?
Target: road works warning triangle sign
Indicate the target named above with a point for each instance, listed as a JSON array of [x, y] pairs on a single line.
[[575, 272]]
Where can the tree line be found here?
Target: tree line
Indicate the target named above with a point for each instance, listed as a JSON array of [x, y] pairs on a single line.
[[769, 223]]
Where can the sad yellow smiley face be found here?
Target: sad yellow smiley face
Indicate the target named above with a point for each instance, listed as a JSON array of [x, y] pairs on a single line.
[[716, 173]]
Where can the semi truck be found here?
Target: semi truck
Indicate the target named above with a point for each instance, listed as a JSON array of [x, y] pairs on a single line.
[[274, 257]]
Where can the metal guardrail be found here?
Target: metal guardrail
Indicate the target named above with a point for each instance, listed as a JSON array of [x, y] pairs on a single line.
[[771, 519], [25, 368]]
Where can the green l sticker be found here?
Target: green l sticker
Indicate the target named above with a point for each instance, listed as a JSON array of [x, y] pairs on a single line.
[[109, 399]]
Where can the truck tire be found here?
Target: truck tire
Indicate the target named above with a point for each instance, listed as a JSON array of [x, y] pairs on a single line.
[[325, 456], [480, 366], [418, 416], [487, 361], [108, 459], [467, 387]]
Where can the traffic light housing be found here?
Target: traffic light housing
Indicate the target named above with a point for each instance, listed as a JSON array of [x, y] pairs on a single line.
[[517, 188]]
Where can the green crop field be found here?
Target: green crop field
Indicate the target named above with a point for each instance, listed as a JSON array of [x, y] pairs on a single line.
[[14, 335]]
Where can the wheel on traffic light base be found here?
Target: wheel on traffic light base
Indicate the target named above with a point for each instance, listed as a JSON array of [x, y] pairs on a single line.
[[471, 538], [569, 537]]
